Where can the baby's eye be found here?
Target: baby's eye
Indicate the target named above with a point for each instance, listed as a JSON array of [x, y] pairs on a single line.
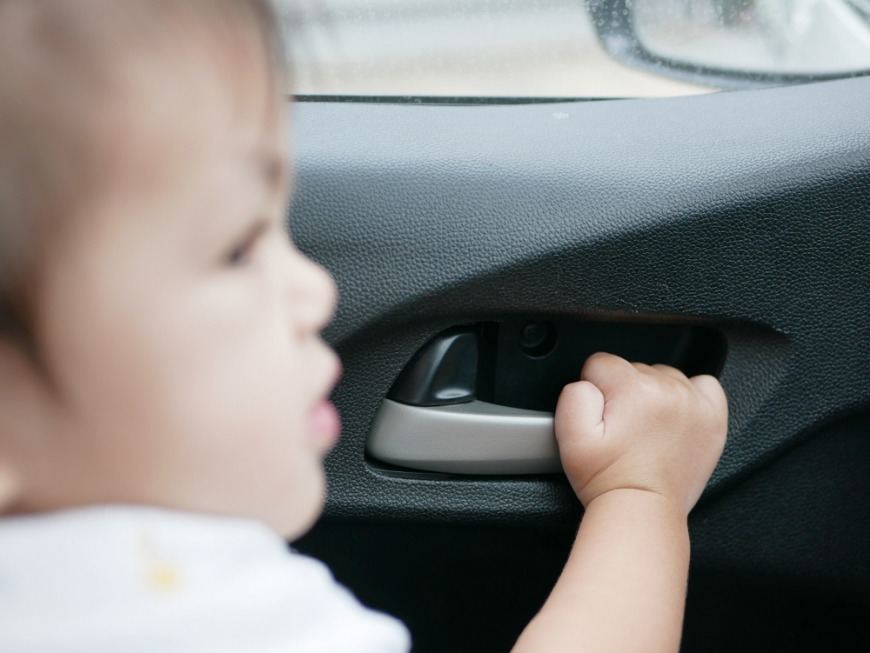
[[242, 251]]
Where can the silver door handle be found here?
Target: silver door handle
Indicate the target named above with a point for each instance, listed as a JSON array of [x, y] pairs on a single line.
[[471, 438]]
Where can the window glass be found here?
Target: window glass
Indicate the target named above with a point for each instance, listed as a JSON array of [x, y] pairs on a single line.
[[567, 48]]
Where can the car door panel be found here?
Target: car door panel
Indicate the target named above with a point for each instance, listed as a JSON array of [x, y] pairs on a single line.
[[745, 213]]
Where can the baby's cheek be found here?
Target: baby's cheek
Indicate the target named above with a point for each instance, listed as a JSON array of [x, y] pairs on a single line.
[[220, 392]]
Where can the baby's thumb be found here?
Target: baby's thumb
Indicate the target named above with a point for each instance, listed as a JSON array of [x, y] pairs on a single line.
[[579, 425], [579, 413]]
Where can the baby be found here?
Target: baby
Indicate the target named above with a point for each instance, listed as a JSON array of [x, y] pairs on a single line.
[[163, 384]]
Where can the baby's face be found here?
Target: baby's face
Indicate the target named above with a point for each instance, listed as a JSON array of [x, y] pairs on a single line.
[[182, 326]]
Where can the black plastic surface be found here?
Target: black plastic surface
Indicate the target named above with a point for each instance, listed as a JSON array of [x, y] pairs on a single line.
[[525, 362], [744, 211], [527, 368], [442, 373]]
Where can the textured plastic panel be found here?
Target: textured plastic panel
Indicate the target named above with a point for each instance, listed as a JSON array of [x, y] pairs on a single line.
[[746, 211]]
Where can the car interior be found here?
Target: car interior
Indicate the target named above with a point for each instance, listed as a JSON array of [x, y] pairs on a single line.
[[483, 249]]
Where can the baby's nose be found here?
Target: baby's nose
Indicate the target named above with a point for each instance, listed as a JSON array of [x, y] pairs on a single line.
[[313, 296]]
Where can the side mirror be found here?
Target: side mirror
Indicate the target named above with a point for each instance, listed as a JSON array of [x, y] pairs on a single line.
[[734, 44]]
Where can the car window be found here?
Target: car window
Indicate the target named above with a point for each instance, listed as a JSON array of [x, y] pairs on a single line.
[[569, 48]]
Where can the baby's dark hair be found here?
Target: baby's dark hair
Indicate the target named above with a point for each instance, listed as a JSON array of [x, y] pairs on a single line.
[[60, 62]]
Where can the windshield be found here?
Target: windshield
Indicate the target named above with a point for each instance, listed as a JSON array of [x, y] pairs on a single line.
[[569, 48]]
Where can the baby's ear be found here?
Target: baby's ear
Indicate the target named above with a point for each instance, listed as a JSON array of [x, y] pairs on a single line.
[[14, 370], [19, 391], [10, 485], [18, 371]]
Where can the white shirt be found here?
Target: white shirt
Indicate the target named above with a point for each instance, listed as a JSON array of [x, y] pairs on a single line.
[[125, 579]]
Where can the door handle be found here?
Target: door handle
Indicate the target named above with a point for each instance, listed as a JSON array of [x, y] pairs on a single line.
[[475, 399], [470, 438]]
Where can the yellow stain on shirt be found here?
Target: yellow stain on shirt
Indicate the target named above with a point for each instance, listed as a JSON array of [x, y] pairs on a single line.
[[163, 576]]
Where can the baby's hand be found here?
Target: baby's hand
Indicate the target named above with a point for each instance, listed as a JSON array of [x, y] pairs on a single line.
[[630, 425]]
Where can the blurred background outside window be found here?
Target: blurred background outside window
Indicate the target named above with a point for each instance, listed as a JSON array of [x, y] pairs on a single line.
[[551, 48]]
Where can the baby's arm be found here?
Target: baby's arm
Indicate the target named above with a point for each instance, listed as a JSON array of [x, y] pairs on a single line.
[[638, 444]]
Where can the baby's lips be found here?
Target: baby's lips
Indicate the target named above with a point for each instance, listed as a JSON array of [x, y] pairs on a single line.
[[324, 422]]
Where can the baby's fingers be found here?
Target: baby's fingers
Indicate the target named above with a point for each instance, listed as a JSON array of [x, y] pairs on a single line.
[[607, 372]]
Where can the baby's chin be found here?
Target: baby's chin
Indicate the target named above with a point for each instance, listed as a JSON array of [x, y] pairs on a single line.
[[302, 511]]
